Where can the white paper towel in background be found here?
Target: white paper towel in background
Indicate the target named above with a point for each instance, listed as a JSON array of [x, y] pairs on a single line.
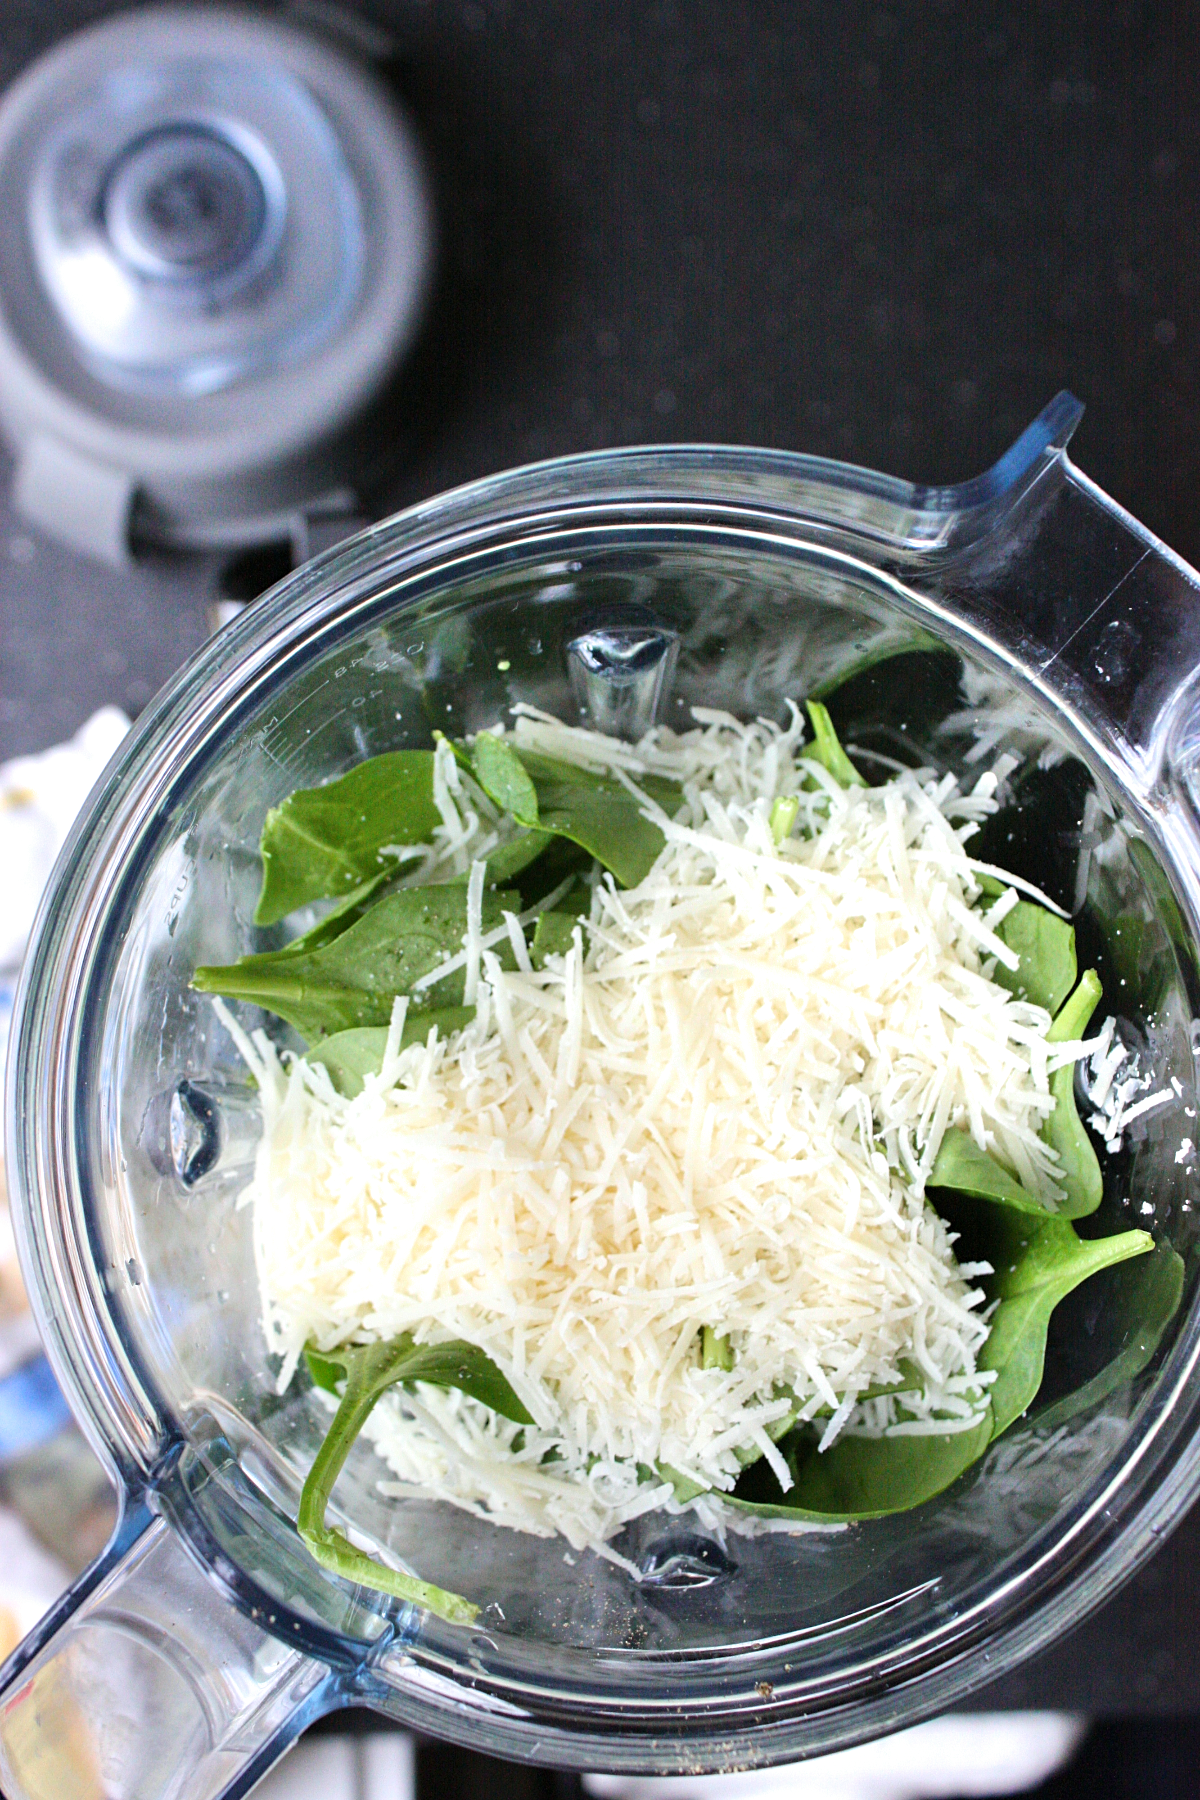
[[964, 1755], [377, 1766], [39, 799]]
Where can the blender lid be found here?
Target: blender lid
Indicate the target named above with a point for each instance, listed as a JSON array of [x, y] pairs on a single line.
[[216, 241]]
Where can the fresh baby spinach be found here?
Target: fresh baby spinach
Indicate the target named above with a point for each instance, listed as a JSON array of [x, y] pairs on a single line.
[[554, 936], [401, 1361], [716, 1352], [1149, 1300], [555, 929], [1046, 947], [350, 1056], [1037, 1258], [1037, 1263], [503, 777], [783, 816], [513, 857], [336, 985], [1079, 1167], [340, 916], [353, 981], [595, 811], [561, 860], [962, 1165], [327, 840], [862, 1477]]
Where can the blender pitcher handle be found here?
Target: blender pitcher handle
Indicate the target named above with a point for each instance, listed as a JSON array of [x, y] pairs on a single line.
[[1089, 605], [147, 1683]]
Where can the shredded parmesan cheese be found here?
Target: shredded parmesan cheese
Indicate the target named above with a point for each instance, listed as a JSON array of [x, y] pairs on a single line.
[[719, 1108], [1112, 1080]]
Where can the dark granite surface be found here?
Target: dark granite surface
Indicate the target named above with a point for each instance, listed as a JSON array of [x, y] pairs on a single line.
[[882, 233]]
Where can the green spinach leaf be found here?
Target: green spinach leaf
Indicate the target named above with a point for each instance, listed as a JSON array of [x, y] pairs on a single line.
[[340, 916], [1037, 1263], [369, 1370], [716, 1352], [861, 1477], [327, 840], [502, 776], [555, 929], [1046, 947], [827, 750], [593, 811], [512, 858], [560, 860], [352, 981], [1038, 1259], [961, 1164], [554, 935], [352, 1055], [453, 1365], [712, 1348], [1079, 1173], [685, 1488], [1149, 1301], [783, 816]]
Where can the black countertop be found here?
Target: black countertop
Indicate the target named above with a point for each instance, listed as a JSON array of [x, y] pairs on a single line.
[[883, 233]]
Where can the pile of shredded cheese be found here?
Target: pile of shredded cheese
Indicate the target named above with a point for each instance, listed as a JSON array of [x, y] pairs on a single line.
[[719, 1108]]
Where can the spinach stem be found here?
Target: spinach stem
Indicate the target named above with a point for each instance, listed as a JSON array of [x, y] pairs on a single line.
[[783, 816], [716, 1352], [331, 1547]]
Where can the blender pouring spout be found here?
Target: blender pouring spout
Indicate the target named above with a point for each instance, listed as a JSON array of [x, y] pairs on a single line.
[[1081, 603]]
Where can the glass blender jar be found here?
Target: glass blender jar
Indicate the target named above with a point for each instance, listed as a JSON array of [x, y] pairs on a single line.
[[188, 1658]]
